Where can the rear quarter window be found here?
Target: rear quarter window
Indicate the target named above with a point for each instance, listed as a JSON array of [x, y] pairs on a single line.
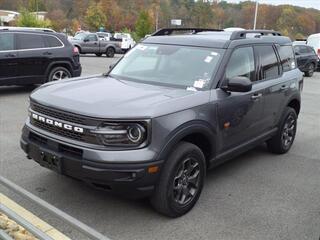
[[52, 41], [288, 61]]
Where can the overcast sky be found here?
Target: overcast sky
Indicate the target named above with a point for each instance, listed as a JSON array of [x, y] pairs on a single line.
[[302, 3]]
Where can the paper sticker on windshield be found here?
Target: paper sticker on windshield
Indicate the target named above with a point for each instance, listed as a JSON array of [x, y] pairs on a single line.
[[214, 54], [208, 59], [142, 47], [199, 83], [191, 89]]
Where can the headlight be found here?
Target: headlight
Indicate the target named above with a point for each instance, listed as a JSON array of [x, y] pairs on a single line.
[[122, 134]]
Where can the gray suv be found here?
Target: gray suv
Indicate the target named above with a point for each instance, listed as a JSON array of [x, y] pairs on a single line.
[[173, 107]]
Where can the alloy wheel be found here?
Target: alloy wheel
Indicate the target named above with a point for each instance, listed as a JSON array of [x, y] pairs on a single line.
[[186, 181], [288, 131]]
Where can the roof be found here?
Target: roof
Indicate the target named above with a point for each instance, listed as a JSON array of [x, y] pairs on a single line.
[[216, 38], [26, 29]]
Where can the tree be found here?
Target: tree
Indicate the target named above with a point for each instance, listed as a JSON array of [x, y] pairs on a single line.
[[95, 16], [58, 19], [28, 19], [143, 25]]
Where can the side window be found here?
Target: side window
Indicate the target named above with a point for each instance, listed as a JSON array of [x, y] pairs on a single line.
[[304, 49], [287, 58], [92, 37], [53, 41], [6, 41], [296, 49], [241, 63], [269, 66], [30, 41]]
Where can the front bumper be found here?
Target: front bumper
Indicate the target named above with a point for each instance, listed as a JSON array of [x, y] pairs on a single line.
[[128, 179]]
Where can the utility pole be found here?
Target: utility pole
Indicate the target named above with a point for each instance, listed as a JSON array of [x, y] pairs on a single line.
[[37, 9], [256, 16]]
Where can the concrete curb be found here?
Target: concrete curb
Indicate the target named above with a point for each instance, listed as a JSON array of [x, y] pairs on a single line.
[[31, 218]]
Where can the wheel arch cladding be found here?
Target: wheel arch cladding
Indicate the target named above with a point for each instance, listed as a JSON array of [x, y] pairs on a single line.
[[197, 133], [295, 104]]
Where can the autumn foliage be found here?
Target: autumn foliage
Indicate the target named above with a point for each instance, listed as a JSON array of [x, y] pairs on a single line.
[[115, 15]]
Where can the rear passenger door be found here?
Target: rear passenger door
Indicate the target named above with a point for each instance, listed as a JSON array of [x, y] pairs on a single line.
[[240, 114], [270, 76], [33, 57], [8, 59]]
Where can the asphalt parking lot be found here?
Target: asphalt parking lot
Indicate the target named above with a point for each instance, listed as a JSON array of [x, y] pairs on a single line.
[[255, 196]]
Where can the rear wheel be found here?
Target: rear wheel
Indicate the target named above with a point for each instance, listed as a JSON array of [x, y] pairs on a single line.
[[59, 73], [310, 71], [110, 52], [181, 181], [283, 140]]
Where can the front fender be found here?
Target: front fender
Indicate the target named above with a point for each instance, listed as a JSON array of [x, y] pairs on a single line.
[[192, 127]]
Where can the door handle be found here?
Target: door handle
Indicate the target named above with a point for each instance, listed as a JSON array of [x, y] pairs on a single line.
[[256, 96], [47, 53], [283, 87], [11, 55]]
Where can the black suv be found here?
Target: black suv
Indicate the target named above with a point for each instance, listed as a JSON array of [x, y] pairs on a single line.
[[171, 108], [33, 57], [307, 59]]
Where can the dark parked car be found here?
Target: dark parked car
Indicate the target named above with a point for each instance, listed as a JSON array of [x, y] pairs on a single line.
[[307, 59], [33, 57], [169, 110]]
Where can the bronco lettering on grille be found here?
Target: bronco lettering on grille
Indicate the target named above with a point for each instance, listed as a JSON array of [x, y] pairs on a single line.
[[56, 123]]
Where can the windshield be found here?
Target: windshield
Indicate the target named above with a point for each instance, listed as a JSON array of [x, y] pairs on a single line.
[[80, 36], [177, 66]]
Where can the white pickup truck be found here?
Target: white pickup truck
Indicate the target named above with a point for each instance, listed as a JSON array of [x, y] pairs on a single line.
[[127, 41]]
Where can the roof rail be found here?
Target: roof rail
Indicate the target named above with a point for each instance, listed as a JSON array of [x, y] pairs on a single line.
[[242, 34], [169, 31]]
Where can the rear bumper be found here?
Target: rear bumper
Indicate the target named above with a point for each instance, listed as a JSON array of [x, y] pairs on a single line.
[[128, 179], [77, 72]]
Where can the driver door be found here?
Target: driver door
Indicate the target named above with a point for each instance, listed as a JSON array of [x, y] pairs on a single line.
[[91, 44], [240, 113]]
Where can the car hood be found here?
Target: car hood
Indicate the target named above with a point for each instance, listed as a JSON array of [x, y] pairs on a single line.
[[106, 97]]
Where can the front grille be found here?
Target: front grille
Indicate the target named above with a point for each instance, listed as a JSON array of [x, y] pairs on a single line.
[[36, 138], [70, 150], [58, 114], [59, 131]]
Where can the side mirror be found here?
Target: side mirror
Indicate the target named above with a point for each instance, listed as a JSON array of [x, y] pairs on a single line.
[[237, 84], [297, 53], [111, 66], [86, 40]]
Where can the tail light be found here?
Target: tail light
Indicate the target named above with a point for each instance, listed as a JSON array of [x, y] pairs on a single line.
[[75, 50], [319, 52]]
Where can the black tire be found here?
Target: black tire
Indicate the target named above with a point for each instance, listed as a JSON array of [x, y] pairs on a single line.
[[98, 54], [56, 72], [110, 52], [166, 197], [283, 140], [310, 71]]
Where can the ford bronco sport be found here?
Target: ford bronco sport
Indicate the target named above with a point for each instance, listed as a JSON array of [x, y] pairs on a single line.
[[173, 107]]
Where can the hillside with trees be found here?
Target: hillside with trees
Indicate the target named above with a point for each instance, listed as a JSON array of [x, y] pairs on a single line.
[[134, 15]]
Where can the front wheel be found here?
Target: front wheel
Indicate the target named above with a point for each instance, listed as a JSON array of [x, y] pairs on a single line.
[[283, 140], [110, 52], [310, 71], [181, 181], [58, 73]]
